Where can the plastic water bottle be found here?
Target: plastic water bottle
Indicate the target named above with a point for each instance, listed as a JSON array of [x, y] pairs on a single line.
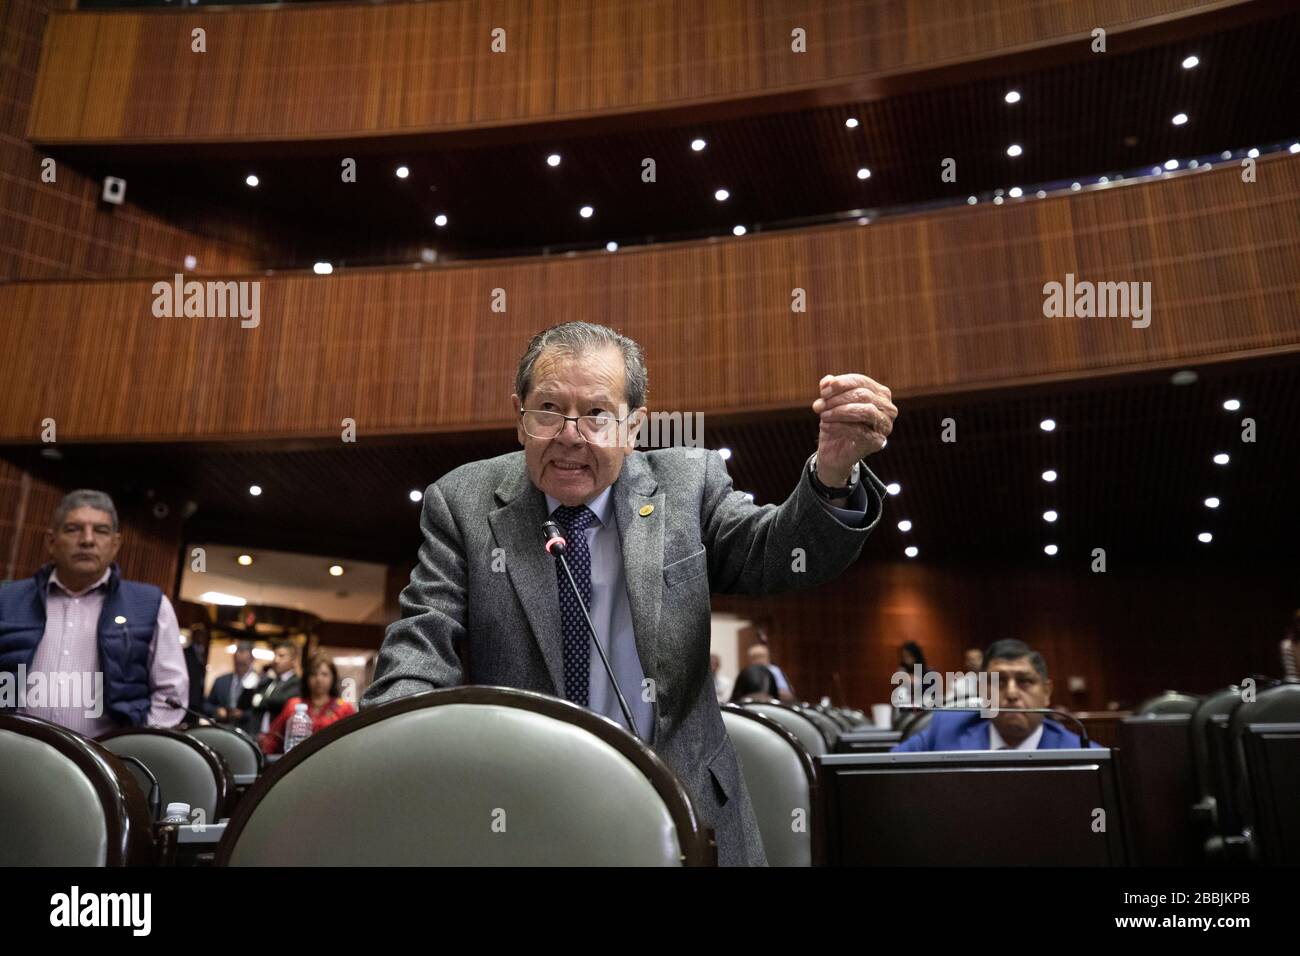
[[299, 728], [177, 813]]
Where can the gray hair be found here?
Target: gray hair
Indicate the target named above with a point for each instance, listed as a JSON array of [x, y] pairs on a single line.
[[578, 338], [83, 498]]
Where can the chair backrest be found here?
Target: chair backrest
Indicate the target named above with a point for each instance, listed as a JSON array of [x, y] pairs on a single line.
[[469, 776], [188, 770], [1170, 702], [1219, 702], [1275, 705], [808, 733], [827, 726], [920, 720], [240, 751], [782, 784], [65, 801]]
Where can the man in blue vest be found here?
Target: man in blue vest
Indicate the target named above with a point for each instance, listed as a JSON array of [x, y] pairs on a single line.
[[1022, 681], [82, 646]]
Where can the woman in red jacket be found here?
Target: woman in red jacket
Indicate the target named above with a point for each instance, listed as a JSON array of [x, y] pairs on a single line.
[[324, 705]]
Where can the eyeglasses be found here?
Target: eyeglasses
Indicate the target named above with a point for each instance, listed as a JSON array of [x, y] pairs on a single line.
[[594, 429]]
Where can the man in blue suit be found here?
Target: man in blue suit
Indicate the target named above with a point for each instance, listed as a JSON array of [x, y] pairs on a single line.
[[1022, 681]]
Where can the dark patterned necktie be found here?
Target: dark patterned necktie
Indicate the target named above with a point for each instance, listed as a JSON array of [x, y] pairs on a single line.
[[577, 647]]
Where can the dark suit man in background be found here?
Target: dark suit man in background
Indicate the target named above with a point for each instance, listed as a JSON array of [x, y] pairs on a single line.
[[650, 535], [276, 690], [222, 702]]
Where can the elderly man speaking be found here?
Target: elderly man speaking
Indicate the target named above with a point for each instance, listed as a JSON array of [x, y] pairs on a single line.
[[650, 534]]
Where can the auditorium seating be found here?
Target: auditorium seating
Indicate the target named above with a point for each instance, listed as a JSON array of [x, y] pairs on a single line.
[[66, 801], [1274, 705], [1221, 702], [1272, 752], [798, 723], [1170, 702], [474, 776], [829, 729], [187, 769], [240, 751], [782, 783]]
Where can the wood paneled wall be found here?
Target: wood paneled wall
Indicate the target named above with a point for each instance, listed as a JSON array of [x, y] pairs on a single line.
[[335, 70], [1129, 636], [61, 230], [150, 545], [931, 303]]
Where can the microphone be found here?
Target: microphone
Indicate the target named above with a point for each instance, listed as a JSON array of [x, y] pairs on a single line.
[[556, 545], [155, 793], [1083, 731]]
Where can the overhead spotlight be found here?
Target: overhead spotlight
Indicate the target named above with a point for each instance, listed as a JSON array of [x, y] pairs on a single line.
[[724, 454], [851, 122], [440, 220], [220, 597], [1049, 475], [1051, 549], [245, 559], [1191, 62], [1041, 194], [252, 180], [1232, 404], [1155, 170], [738, 230], [254, 490], [402, 172], [1253, 153], [1075, 187], [1221, 458], [894, 488], [1048, 424], [336, 570], [191, 263], [1171, 164], [415, 495], [1104, 180], [998, 200], [1211, 502], [864, 220], [1014, 150], [721, 195], [1226, 154], [697, 144], [1013, 96], [911, 551], [1185, 376], [1015, 192], [1293, 148], [322, 268], [1180, 119], [1205, 537], [864, 173], [971, 200], [553, 160], [904, 526], [611, 246], [1050, 516], [585, 212]]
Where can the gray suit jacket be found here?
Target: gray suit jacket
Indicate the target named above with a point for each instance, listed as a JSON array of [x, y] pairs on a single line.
[[465, 623]]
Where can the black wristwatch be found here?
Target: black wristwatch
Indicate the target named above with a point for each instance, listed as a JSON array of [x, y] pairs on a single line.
[[826, 491]]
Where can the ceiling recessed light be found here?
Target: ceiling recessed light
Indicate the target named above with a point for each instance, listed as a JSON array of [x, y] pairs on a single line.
[[1013, 96], [1205, 537], [191, 263], [553, 160], [218, 597], [1221, 458], [1049, 475], [1232, 404], [245, 559], [1050, 549], [252, 180], [1048, 424], [611, 246], [1191, 62], [1184, 376], [1293, 148], [1014, 150], [415, 495], [1041, 194], [1075, 186], [1015, 192], [971, 200], [1104, 180], [894, 488], [1253, 153], [904, 526], [697, 144], [1180, 119], [864, 173], [721, 195], [440, 220], [254, 490], [336, 570], [738, 230], [585, 212], [998, 200], [1050, 516], [402, 172], [322, 268], [724, 454], [1211, 502], [851, 122], [911, 551], [864, 220]]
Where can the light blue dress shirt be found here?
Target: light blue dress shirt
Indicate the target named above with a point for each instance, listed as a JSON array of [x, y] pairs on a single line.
[[611, 612]]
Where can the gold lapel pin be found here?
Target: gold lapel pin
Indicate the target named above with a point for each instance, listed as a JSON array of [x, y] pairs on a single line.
[[646, 510]]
